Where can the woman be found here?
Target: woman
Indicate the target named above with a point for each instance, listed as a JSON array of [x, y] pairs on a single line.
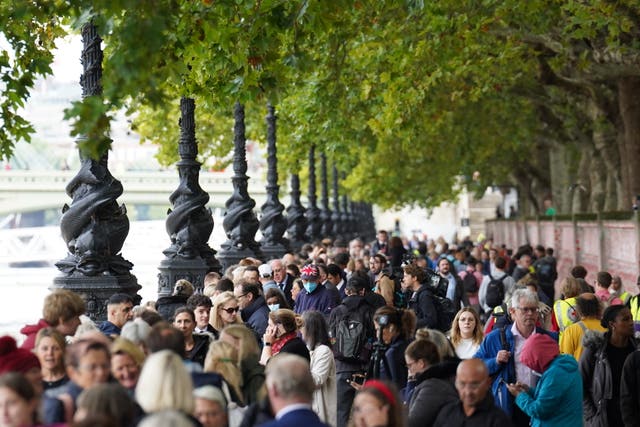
[[396, 327], [195, 345], [555, 400], [431, 383], [466, 333], [377, 404], [126, 363], [211, 407], [244, 341], [601, 366], [323, 367], [109, 400], [275, 299], [296, 287], [221, 359], [50, 347], [225, 311], [165, 385], [282, 336], [18, 401], [445, 349]]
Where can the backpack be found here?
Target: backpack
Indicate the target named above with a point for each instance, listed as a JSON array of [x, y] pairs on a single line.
[[352, 343], [437, 283], [495, 291], [545, 271], [446, 312], [469, 282]]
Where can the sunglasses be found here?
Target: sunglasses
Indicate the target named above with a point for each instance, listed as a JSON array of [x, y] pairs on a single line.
[[231, 310]]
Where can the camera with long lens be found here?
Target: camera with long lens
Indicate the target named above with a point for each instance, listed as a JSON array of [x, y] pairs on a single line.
[[383, 321]]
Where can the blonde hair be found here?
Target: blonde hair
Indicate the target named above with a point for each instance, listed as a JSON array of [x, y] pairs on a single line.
[[455, 327], [439, 339], [165, 384], [125, 346], [218, 302], [570, 287], [222, 358], [248, 344], [57, 337]]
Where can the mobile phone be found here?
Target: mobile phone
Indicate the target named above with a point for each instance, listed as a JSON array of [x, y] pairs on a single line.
[[358, 379]]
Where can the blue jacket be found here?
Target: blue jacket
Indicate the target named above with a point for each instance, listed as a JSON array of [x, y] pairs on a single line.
[[502, 373], [557, 398], [321, 299], [296, 418]]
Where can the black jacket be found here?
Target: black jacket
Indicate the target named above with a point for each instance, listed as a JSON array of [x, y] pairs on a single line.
[[434, 389], [422, 304], [352, 303], [487, 414]]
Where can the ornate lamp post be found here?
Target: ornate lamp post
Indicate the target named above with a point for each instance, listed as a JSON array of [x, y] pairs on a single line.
[[325, 212], [240, 222], [296, 221], [94, 227], [272, 223], [189, 224], [314, 229], [346, 216], [336, 215]]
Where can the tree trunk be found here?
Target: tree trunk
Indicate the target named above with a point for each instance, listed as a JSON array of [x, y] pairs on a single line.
[[629, 104], [582, 185]]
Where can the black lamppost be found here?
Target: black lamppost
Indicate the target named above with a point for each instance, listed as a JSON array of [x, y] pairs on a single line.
[[296, 220], [325, 212], [240, 222], [189, 224], [314, 229], [272, 224], [94, 227], [345, 216], [336, 215]]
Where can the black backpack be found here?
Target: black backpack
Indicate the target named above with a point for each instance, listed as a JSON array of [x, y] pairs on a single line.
[[495, 291], [545, 271], [470, 283], [446, 312], [353, 336]]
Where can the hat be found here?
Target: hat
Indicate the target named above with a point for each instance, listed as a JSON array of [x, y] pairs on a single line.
[[309, 272], [265, 270], [14, 359]]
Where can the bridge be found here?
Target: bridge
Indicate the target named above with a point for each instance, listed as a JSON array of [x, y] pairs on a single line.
[[28, 191]]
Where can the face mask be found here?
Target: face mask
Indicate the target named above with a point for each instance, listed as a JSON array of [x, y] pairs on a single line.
[[310, 286], [274, 307], [612, 291]]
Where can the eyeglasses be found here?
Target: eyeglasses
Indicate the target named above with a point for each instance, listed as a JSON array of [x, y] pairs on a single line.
[[472, 386], [528, 309], [241, 296], [231, 310]]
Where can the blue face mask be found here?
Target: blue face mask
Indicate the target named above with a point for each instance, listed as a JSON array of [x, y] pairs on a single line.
[[274, 307], [310, 286]]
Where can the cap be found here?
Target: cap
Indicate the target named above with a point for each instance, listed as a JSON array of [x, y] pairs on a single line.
[[14, 359], [265, 270], [309, 272]]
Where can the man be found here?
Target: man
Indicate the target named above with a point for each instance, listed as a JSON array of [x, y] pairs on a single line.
[[61, 310], [282, 279], [589, 308], [355, 305], [251, 274], [314, 296], [335, 281], [378, 267], [266, 279], [545, 268], [455, 290], [498, 274], [201, 306], [253, 308], [603, 281], [119, 312], [290, 389], [523, 262], [500, 350], [210, 406], [381, 244], [422, 300], [476, 406], [356, 248]]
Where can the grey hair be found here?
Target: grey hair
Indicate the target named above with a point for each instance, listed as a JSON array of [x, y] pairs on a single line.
[[168, 418], [525, 294], [136, 331], [291, 376]]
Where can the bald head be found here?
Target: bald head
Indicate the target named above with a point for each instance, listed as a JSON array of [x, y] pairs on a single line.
[[472, 383], [473, 366]]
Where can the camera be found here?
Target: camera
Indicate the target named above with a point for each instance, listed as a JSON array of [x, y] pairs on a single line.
[[383, 320]]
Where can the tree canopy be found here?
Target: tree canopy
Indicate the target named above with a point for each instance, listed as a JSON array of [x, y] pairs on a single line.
[[409, 98]]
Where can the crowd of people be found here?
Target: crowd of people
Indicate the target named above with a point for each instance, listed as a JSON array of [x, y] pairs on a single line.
[[392, 333]]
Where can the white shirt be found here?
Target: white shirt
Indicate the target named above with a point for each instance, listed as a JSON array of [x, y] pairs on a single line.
[[524, 374], [466, 348]]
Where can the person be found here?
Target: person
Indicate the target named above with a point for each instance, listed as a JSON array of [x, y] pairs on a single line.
[[431, 383], [377, 404], [251, 274], [501, 349], [109, 400], [564, 309], [18, 401], [166, 306], [601, 366], [266, 279], [422, 301], [253, 307], [590, 310], [336, 282], [119, 312], [634, 306], [381, 243], [498, 274], [165, 384], [290, 387], [50, 347], [455, 289], [466, 333], [523, 265], [296, 288], [282, 279], [384, 284], [356, 306], [137, 332], [476, 405], [314, 296], [195, 345], [618, 290], [395, 327], [282, 336], [201, 306], [545, 269], [556, 399], [126, 363], [323, 367], [275, 299], [248, 353], [210, 406], [61, 310], [603, 281], [14, 359], [221, 359], [226, 311]]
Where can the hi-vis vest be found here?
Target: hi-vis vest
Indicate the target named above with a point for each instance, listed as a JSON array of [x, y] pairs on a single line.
[[634, 305], [565, 312], [625, 296]]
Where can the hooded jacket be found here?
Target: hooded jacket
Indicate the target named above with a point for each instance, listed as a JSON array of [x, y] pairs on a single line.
[[630, 391], [435, 388], [557, 398], [31, 331], [365, 310], [597, 383]]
